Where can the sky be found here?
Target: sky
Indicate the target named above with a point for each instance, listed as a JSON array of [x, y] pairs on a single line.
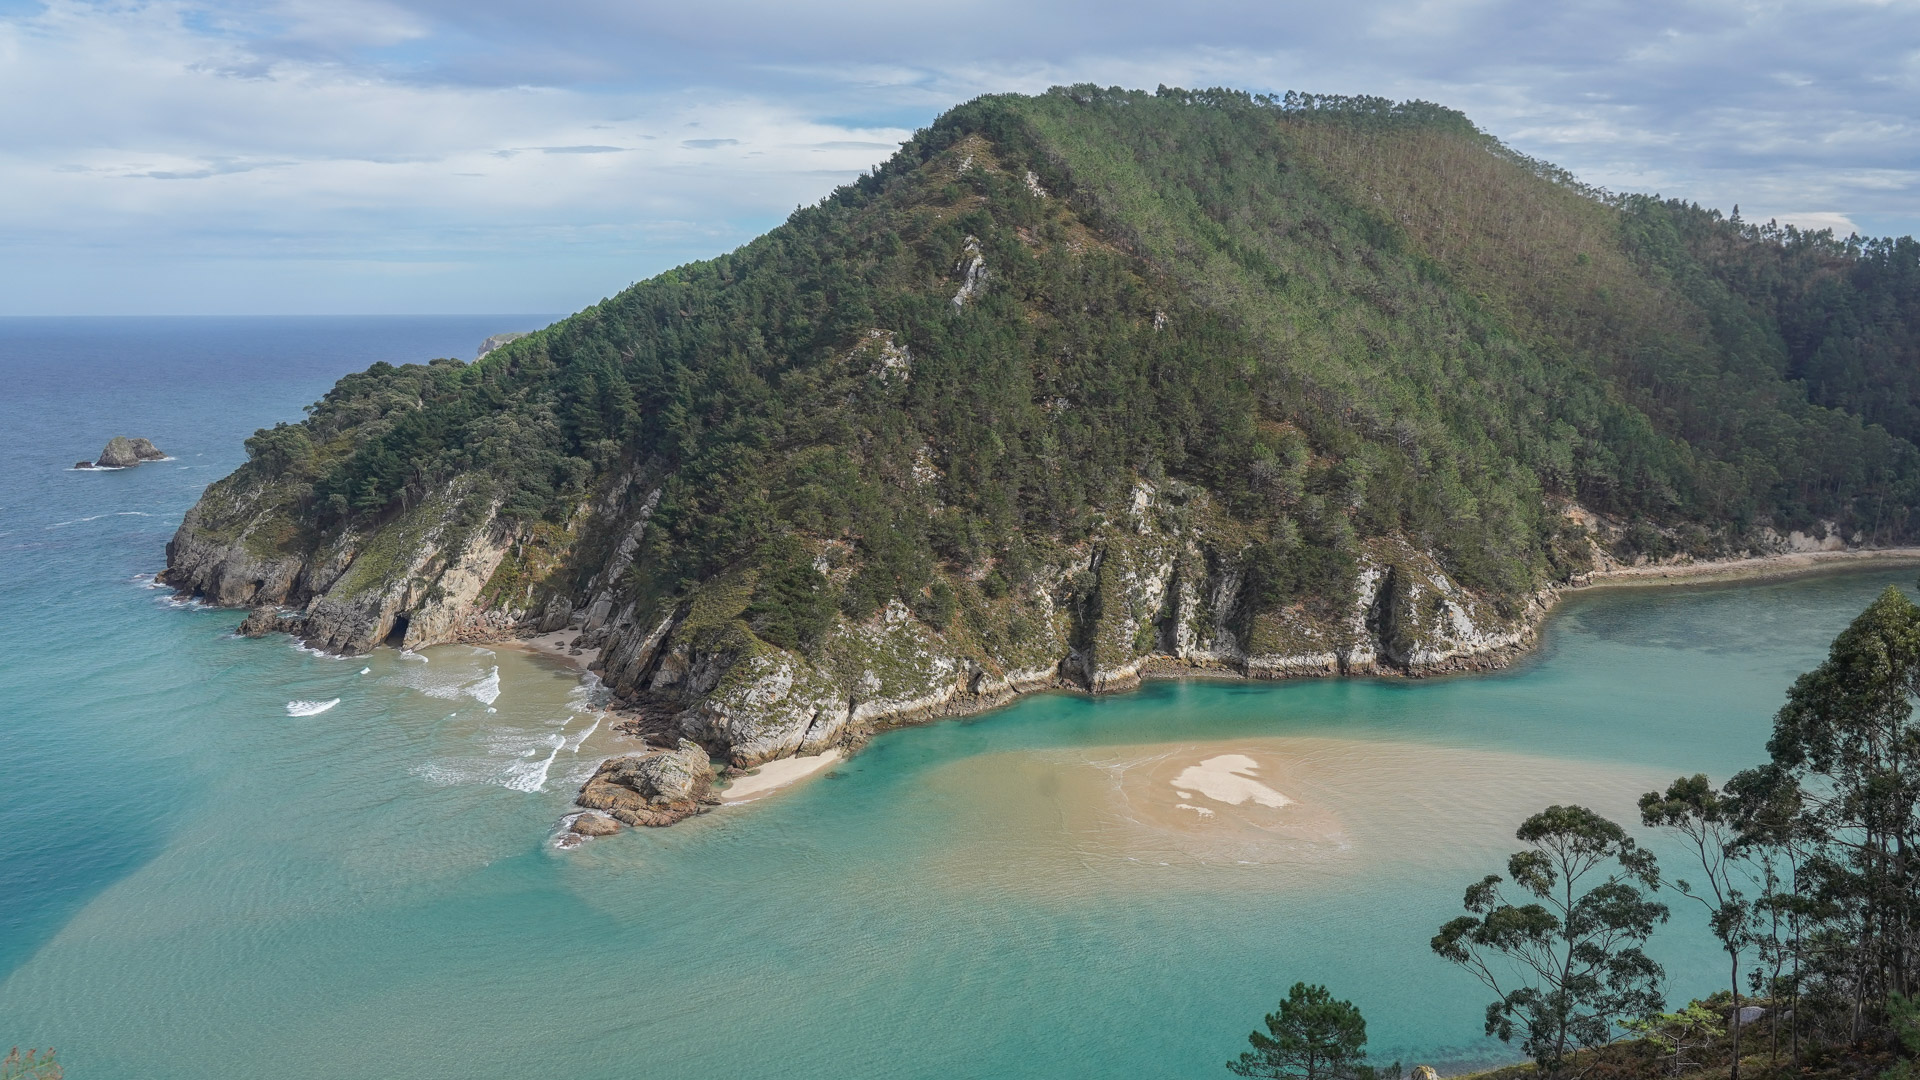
[[491, 156]]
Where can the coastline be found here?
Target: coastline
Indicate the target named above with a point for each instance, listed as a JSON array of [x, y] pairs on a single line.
[[1782, 566]]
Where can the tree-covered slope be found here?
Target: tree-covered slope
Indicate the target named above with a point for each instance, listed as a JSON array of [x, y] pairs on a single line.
[[1082, 384]]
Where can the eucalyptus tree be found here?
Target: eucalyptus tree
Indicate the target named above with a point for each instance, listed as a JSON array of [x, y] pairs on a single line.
[[1565, 956], [1847, 735], [1707, 820]]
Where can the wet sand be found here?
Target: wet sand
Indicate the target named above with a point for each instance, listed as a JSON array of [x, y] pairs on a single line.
[[1281, 810]]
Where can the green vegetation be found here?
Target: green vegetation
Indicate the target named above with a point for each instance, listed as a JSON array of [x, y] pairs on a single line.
[[1310, 1037], [1566, 962], [1344, 319], [1808, 867], [34, 1066]]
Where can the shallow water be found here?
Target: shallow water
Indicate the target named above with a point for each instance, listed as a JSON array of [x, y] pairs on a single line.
[[206, 876]]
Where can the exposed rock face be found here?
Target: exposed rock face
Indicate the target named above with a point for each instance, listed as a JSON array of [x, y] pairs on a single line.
[[657, 788], [412, 583], [498, 340], [262, 621], [592, 824], [122, 452]]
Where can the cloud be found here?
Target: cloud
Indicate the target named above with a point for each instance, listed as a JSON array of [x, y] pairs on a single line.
[[483, 138]]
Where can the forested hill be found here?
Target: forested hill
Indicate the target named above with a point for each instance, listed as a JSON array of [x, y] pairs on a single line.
[[1083, 383]]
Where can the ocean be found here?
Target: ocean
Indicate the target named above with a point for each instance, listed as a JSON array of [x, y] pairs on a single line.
[[234, 858]]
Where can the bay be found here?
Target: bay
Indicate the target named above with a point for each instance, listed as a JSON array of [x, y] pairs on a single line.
[[203, 876]]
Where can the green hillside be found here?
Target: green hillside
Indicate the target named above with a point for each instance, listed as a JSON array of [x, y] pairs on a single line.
[[1097, 379]]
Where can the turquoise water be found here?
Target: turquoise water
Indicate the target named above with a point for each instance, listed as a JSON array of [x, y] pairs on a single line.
[[198, 884]]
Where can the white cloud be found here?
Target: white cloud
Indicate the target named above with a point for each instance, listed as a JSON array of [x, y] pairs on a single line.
[[493, 149]]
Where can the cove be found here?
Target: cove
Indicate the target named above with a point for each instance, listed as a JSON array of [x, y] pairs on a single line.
[[370, 884], [199, 883]]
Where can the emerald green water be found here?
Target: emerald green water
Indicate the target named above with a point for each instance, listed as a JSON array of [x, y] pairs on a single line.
[[194, 883], [360, 888]]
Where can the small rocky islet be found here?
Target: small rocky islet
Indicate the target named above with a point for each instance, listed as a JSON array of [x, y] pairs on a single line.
[[123, 453]]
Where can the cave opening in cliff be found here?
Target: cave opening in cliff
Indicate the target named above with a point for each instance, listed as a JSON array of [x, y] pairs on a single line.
[[397, 637]]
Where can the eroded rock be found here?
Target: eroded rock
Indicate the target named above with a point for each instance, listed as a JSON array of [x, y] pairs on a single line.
[[657, 788], [593, 824], [122, 452]]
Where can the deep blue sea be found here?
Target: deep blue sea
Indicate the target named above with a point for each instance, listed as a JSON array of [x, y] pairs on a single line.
[[227, 858]]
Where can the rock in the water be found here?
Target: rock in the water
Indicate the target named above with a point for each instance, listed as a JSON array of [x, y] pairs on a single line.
[[498, 340], [658, 788], [591, 824], [83, 464], [262, 621], [122, 453]]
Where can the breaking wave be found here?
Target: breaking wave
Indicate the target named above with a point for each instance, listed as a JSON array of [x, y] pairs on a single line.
[[310, 708]]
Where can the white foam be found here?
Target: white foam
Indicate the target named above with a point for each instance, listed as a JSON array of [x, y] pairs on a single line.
[[364, 670], [486, 691], [532, 775], [310, 708], [409, 654], [574, 743], [300, 646]]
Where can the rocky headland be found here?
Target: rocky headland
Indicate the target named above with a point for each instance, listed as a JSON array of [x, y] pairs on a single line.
[[1032, 408]]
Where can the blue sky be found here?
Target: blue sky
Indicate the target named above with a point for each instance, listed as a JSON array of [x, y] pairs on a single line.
[[389, 156]]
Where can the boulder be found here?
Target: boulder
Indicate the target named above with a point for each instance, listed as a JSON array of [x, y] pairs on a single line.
[[591, 824], [262, 621], [122, 452], [1423, 1072], [1749, 1014], [83, 464], [657, 788]]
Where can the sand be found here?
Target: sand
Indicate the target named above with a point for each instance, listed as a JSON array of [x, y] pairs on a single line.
[[557, 645], [775, 775], [1788, 565], [1226, 778], [1281, 812]]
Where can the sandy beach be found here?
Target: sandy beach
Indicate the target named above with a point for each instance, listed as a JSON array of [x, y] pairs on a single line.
[[557, 645], [1790, 564], [775, 775]]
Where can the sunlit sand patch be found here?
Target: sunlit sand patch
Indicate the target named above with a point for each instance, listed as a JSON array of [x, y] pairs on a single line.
[[1287, 811], [1227, 778], [775, 775]]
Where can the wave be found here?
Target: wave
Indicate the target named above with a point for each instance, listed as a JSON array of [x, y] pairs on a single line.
[[532, 775], [300, 646], [310, 708], [486, 691], [575, 742]]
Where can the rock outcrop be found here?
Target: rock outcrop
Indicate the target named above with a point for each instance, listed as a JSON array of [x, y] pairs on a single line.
[[123, 453], [657, 788], [498, 340]]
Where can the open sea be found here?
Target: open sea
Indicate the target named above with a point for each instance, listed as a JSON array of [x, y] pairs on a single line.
[[226, 858]]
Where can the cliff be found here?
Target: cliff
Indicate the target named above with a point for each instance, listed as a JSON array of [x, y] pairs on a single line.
[[1074, 389]]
